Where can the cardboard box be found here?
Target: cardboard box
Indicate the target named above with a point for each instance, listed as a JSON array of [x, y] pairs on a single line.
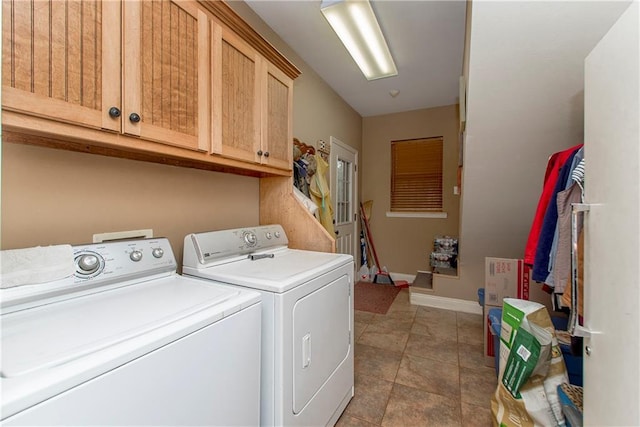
[[511, 278], [505, 278]]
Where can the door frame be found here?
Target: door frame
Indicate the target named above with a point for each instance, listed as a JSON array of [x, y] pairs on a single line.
[[333, 142]]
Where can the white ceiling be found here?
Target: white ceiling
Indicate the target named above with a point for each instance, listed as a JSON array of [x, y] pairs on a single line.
[[426, 39]]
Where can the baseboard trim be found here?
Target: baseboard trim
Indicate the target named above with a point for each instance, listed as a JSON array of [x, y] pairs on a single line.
[[445, 303], [401, 276]]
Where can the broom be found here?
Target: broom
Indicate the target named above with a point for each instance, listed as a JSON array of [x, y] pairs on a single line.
[[381, 277]]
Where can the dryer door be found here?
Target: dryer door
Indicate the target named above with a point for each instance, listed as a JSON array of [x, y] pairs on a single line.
[[322, 338]]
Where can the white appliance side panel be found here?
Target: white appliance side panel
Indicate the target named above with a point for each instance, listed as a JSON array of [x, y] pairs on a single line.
[[210, 377], [612, 227], [321, 338]]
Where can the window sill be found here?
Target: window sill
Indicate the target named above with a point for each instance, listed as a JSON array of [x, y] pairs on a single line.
[[437, 215]]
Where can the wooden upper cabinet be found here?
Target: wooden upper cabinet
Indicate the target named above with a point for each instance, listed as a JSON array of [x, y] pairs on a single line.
[[61, 60], [252, 104], [166, 73], [236, 97], [277, 124]]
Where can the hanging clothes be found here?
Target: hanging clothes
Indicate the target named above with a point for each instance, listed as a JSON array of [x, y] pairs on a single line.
[[575, 300], [556, 161], [561, 268], [320, 194], [540, 269]]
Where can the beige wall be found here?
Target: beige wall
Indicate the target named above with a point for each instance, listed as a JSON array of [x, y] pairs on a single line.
[[404, 244], [523, 104], [53, 196]]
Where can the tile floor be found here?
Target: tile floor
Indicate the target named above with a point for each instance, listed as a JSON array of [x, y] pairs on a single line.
[[420, 366]]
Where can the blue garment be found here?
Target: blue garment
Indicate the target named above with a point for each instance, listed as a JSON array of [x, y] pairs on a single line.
[[540, 269]]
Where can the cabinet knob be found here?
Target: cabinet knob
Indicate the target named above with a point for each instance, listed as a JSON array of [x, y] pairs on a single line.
[[134, 117], [259, 153], [266, 154], [114, 112]]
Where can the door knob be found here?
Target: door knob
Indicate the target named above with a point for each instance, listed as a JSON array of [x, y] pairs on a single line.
[[134, 117]]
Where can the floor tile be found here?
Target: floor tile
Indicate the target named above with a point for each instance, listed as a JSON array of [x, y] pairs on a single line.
[[377, 362], [412, 407], [393, 322], [370, 399], [445, 330], [428, 375], [472, 356], [362, 316], [358, 329], [477, 386], [437, 314], [476, 416], [349, 421], [470, 328], [420, 366], [433, 348], [384, 338]]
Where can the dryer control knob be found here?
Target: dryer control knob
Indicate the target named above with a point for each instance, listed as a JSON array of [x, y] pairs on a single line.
[[277, 234], [268, 235], [135, 256], [157, 252], [88, 263], [250, 238]]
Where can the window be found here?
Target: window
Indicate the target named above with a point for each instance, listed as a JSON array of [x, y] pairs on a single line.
[[416, 175]]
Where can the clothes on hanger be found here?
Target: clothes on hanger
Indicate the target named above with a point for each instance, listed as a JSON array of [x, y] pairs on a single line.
[[555, 163]]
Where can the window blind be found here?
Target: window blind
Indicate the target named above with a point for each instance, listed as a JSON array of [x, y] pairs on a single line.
[[416, 175]]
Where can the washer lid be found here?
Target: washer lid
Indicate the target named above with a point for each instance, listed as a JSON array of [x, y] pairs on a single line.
[[279, 271], [58, 333]]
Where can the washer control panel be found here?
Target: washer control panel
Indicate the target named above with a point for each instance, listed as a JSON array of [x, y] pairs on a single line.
[[123, 259]]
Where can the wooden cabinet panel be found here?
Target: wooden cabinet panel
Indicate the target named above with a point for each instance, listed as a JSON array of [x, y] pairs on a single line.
[[61, 60], [277, 126], [252, 104], [166, 76], [236, 132]]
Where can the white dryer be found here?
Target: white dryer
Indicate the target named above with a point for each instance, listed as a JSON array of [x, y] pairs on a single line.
[[128, 341], [307, 318]]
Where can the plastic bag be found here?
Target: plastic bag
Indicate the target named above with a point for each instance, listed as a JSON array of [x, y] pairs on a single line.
[[531, 368]]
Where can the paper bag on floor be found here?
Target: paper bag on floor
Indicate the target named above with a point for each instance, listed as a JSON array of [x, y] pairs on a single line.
[[531, 368]]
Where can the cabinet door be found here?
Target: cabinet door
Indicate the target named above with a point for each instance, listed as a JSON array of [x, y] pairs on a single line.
[[166, 75], [277, 127], [236, 97], [61, 60]]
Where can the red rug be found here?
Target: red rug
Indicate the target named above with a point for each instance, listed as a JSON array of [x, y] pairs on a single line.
[[374, 297]]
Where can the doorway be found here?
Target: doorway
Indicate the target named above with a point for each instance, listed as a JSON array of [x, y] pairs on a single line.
[[343, 161]]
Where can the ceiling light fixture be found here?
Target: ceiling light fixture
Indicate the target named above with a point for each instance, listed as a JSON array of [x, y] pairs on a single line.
[[357, 27]]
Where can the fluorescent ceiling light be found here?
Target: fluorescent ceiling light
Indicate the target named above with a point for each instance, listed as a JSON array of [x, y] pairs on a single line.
[[357, 27]]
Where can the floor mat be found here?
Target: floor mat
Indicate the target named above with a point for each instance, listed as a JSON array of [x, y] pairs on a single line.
[[374, 297]]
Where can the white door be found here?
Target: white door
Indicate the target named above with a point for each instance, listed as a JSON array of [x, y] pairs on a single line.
[[612, 227], [343, 162]]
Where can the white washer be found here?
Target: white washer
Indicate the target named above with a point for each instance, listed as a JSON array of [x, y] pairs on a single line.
[[127, 341], [307, 318]]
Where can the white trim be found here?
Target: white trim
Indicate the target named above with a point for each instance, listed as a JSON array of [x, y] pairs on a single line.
[[445, 303], [416, 214], [401, 276]]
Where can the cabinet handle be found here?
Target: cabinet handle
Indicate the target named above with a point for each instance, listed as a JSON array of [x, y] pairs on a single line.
[[266, 154], [259, 153], [114, 112], [134, 117]]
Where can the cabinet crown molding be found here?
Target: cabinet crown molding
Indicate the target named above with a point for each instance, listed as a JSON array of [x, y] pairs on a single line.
[[228, 17]]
